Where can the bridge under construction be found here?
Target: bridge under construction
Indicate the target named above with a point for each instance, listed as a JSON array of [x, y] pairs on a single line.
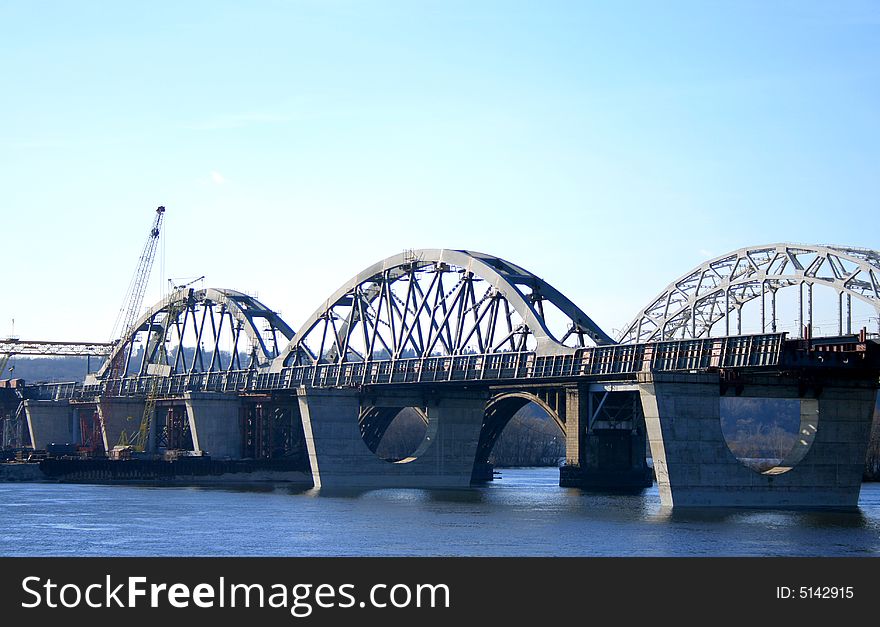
[[466, 340]]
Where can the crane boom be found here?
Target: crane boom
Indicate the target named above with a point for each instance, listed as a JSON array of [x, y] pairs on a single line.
[[131, 305], [134, 297]]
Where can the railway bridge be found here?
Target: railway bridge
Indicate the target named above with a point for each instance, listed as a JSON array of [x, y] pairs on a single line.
[[467, 339]]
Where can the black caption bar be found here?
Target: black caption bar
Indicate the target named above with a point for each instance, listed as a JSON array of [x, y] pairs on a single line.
[[398, 591]]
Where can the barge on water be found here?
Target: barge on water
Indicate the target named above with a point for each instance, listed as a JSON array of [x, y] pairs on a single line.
[[182, 470]]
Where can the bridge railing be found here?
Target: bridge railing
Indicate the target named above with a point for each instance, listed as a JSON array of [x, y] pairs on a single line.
[[751, 351]]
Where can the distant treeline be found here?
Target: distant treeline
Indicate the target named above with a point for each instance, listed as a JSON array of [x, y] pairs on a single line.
[[37, 369], [52, 369]]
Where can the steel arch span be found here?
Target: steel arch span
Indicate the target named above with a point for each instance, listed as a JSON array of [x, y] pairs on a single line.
[[197, 328], [440, 302], [717, 290]]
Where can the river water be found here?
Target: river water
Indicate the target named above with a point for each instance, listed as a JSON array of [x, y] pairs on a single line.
[[525, 513]]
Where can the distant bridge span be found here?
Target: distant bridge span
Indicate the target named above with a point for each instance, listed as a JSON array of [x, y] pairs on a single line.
[[693, 304]]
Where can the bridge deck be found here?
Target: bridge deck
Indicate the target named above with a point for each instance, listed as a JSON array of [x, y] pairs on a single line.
[[593, 363]]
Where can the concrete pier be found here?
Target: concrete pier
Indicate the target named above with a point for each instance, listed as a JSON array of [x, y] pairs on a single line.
[[695, 468], [340, 458], [215, 423], [122, 414], [50, 422]]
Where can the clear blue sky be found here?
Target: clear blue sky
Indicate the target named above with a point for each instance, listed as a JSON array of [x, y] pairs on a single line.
[[608, 147]]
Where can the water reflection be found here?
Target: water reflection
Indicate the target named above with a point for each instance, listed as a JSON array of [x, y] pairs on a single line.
[[242, 488], [525, 513], [466, 495], [846, 519]]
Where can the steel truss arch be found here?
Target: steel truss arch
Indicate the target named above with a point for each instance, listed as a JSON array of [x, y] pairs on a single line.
[[438, 302], [691, 305], [207, 318]]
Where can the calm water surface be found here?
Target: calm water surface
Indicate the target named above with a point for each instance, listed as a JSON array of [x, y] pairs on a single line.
[[524, 513]]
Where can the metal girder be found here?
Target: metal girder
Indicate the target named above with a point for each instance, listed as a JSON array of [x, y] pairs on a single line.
[[40, 348], [440, 302], [209, 320], [690, 306]]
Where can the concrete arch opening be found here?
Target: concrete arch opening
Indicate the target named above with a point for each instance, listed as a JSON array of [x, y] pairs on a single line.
[[398, 435], [539, 434], [769, 435]]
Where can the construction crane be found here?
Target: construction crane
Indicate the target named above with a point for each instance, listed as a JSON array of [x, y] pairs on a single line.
[[128, 313], [134, 297]]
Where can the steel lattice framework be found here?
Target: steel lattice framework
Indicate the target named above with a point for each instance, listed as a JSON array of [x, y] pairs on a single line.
[[717, 290], [440, 302], [41, 348], [204, 331]]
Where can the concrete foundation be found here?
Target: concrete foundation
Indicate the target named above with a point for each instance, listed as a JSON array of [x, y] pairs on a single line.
[[215, 423], [340, 459], [695, 468], [122, 414], [50, 422]]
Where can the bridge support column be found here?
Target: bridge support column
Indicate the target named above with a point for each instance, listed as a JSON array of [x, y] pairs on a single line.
[[215, 423], [121, 414], [340, 458], [50, 422], [695, 468], [576, 418], [603, 454]]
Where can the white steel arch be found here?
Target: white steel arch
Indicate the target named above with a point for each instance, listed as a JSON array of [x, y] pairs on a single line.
[[447, 302], [207, 319], [717, 290]]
